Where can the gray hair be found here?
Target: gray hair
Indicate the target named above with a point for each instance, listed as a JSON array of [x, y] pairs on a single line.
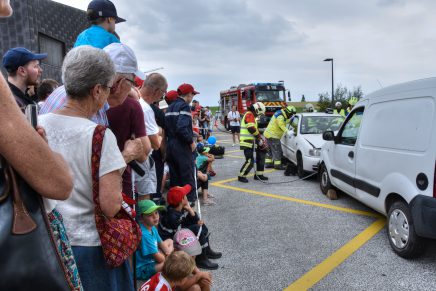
[[83, 68], [155, 80]]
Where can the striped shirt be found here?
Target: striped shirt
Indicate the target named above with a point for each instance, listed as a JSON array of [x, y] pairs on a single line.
[[57, 100]]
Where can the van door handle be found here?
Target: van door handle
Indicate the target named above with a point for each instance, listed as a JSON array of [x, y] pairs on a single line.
[[351, 155]]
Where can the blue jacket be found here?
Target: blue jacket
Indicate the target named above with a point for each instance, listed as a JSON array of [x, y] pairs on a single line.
[[178, 122]]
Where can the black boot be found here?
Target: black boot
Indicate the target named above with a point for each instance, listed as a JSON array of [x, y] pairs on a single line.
[[211, 254], [242, 179], [203, 262], [260, 177]]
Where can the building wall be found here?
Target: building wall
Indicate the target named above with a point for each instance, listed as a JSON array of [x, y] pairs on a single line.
[[34, 17]]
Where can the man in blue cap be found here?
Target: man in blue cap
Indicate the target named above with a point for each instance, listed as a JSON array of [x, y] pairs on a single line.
[[103, 16], [23, 70]]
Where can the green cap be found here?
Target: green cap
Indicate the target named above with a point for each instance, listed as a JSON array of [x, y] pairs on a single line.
[[148, 207]]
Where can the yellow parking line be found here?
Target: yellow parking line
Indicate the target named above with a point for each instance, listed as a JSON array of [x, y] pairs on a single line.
[[301, 201], [233, 156], [218, 183], [234, 151], [320, 271]]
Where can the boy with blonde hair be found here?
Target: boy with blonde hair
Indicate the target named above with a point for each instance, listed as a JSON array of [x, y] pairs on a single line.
[[177, 267]]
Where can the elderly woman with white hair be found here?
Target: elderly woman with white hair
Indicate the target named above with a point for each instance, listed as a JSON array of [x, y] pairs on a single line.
[[88, 75]]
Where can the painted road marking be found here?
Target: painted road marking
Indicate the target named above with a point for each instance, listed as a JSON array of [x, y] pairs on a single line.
[[301, 201], [324, 268], [234, 151], [316, 274], [233, 156]]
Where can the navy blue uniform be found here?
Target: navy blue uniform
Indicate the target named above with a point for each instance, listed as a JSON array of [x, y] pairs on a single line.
[[178, 123], [172, 220]]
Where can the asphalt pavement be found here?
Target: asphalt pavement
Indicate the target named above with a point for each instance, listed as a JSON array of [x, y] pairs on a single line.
[[285, 234]]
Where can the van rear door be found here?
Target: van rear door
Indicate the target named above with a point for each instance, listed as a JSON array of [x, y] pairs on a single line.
[[343, 168]]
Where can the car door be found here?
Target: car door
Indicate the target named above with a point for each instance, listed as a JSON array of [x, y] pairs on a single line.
[[290, 139], [343, 170]]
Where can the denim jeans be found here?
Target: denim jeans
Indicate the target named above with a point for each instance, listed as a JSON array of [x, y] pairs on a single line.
[[96, 275]]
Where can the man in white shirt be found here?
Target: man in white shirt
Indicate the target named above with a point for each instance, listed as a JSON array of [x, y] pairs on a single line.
[[153, 90], [235, 125]]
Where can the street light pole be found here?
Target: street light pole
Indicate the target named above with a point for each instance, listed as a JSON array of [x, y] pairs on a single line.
[[333, 97]]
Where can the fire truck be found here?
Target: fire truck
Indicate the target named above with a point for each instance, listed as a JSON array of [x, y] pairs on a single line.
[[272, 95]]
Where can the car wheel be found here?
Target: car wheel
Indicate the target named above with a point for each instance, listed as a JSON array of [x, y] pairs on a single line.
[[401, 231], [300, 169], [324, 179]]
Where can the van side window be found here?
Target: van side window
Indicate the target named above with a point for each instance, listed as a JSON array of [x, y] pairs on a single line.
[[350, 131]]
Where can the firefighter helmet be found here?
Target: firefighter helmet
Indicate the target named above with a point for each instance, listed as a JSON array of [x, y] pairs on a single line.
[[259, 108], [291, 110], [338, 104]]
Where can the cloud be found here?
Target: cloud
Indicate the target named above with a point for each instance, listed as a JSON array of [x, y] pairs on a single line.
[[206, 25], [219, 43]]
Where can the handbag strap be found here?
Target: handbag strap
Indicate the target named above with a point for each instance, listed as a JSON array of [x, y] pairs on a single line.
[[97, 144]]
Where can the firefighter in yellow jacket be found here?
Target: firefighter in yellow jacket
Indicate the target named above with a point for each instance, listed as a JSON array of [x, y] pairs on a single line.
[[274, 132], [251, 140]]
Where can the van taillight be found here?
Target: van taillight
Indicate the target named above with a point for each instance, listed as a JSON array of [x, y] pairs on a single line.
[[434, 182]]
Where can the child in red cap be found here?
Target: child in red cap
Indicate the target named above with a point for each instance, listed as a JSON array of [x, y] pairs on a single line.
[[180, 215]]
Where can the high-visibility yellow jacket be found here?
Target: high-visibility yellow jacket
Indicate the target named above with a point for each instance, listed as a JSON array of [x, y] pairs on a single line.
[[276, 126], [341, 112], [246, 138]]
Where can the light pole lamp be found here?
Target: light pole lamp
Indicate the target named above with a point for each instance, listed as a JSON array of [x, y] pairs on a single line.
[[333, 97]]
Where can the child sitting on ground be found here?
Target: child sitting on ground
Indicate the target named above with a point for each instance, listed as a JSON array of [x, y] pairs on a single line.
[[204, 160], [185, 240], [204, 165], [149, 260], [179, 214], [177, 267]]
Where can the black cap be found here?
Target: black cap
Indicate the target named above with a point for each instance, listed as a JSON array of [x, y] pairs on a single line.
[[19, 56], [103, 8]]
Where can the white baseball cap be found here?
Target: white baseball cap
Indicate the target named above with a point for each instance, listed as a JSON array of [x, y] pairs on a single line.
[[124, 59]]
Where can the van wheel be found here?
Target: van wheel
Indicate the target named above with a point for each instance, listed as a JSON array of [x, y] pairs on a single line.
[[324, 180], [300, 169], [401, 231]]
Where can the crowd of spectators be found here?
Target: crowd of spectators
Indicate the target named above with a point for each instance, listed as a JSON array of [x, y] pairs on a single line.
[[153, 157]]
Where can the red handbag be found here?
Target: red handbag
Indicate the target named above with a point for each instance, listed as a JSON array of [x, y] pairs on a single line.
[[120, 235]]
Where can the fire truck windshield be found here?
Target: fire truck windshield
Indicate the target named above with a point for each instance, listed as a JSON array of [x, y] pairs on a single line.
[[264, 96]]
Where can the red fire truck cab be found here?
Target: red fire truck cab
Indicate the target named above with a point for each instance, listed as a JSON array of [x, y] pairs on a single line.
[[272, 95]]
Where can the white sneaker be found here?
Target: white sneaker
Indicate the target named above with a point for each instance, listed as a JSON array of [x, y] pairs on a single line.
[[233, 145]]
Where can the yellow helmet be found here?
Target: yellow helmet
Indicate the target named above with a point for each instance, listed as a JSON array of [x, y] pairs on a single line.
[[290, 110]]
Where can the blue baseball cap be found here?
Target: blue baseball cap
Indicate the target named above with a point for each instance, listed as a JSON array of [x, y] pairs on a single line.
[[19, 56], [103, 8]]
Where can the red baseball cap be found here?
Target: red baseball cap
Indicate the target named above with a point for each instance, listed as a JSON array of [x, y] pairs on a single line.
[[186, 89], [138, 82], [171, 96], [176, 194]]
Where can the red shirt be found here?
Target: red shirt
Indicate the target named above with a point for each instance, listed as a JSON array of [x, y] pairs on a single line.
[[156, 283], [124, 120]]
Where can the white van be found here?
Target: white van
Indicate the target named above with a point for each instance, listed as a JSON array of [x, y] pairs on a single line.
[[384, 155]]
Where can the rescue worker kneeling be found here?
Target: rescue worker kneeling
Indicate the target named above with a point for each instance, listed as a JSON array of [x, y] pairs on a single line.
[[274, 132], [251, 140]]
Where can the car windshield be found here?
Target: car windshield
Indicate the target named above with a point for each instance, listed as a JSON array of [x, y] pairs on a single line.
[[319, 124], [270, 96]]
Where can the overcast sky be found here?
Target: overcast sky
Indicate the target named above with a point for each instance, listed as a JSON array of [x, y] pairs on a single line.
[[215, 44]]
